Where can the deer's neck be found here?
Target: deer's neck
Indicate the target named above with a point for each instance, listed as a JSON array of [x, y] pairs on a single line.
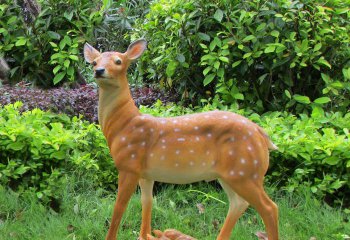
[[116, 108]]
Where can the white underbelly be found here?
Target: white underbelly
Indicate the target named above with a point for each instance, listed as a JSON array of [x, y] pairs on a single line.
[[179, 177]]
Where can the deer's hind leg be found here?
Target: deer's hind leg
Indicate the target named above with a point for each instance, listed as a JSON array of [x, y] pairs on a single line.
[[253, 192], [146, 200], [237, 207]]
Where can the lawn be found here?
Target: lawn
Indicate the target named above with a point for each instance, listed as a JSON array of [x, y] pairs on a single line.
[[197, 210]]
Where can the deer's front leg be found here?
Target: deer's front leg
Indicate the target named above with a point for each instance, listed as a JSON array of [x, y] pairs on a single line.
[[146, 200], [127, 183]]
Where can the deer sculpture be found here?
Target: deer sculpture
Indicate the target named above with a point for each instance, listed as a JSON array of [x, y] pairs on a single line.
[[204, 146]]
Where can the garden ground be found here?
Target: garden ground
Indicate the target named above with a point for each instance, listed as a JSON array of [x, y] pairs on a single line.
[[198, 210]]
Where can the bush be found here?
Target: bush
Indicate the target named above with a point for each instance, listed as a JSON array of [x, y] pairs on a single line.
[[283, 55], [38, 148]]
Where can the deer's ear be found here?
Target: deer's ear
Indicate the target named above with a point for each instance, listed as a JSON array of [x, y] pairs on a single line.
[[136, 49], [90, 53]]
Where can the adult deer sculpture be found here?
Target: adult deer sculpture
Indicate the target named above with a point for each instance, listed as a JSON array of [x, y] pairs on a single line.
[[185, 149]]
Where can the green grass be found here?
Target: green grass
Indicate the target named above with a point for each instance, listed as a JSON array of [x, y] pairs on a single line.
[[85, 212]]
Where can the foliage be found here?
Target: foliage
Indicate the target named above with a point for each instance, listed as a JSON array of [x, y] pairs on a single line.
[[313, 150], [45, 49], [80, 101], [38, 148], [274, 55]]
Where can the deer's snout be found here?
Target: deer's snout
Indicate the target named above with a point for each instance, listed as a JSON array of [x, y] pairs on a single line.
[[99, 72]]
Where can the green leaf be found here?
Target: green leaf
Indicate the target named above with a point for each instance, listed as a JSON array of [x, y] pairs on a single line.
[[208, 69], [322, 100], [302, 99], [66, 63], [68, 15], [238, 96], [275, 33], [224, 59], [56, 69], [58, 155], [21, 42], [247, 55], [53, 35], [217, 65], [333, 160], [208, 79], [235, 64], [287, 94], [15, 146], [170, 69], [204, 36], [324, 62], [346, 73], [74, 57], [218, 15], [261, 27], [270, 49], [58, 78], [21, 170], [317, 47], [248, 38]]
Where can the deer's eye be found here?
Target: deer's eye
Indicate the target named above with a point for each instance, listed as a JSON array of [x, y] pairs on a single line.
[[94, 63], [118, 61]]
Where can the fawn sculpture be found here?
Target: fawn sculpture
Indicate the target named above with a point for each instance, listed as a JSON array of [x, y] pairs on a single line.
[[205, 146]]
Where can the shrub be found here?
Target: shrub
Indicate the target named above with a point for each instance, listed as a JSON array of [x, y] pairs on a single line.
[[37, 148], [272, 55]]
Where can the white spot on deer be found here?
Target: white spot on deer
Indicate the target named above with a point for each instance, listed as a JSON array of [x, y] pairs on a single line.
[[191, 163], [204, 164], [206, 116], [142, 117], [209, 135], [152, 129], [133, 155], [123, 139], [163, 121], [163, 146], [250, 133], [225, 117], [196, 128], [163, 141], [181, 139], [174, 121], [187, 118], [232, 173], [162, 158], [250, 148], [208, 152], [177, 152], [177, 130], [176, 164], [244, 137], [197, 139], [241, 173], [191, 151], [232, 139], [256, 162], [212, 163], [230, 152], [161, 132], [129, 145], [255, 176], [143, 144], [243, 161], [142, 130], [151, 154]]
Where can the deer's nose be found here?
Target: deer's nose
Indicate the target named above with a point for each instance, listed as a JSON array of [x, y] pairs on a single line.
[[99, 72]]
